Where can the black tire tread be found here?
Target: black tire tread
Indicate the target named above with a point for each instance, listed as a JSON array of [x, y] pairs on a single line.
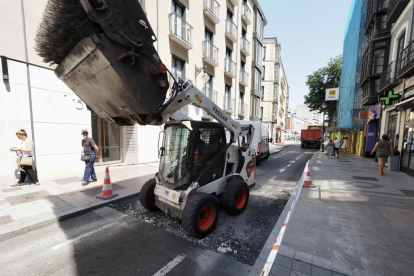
[[147, 191], [190, 212], [229, 200]]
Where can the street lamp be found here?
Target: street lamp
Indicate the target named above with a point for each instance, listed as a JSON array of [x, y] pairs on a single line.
[[323, 128]]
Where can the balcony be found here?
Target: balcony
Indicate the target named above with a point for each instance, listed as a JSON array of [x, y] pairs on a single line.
[[180, 31], [228, 104], [211, 94], [406, 62], [211, 10], [234, 2], [244, 78], [245, 46], [231, 30], [389, 78], [395, 9], [242, 109], [210, 53], [369, 97], [246, 14], [229, 68], [275, 98]]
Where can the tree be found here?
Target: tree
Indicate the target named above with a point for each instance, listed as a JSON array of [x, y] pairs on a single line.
[[322, 79]]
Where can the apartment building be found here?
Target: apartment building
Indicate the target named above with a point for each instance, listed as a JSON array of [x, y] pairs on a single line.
[[275, 90], [311, 117], [397, 82], [223, 39]]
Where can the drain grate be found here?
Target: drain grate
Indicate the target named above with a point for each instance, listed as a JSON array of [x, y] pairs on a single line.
[[96, 191], [408, 193], [365, 178]]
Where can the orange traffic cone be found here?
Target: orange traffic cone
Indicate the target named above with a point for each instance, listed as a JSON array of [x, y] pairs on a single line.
[[308, 179], [107, 187]]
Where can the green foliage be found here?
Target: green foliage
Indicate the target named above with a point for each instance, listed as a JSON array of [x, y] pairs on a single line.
[[320, 80]]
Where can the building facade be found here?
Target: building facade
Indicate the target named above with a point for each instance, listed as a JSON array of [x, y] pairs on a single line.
[[397, 83], [311, 117], [349, 103], [295, 126], [221, 38], [275, 90]]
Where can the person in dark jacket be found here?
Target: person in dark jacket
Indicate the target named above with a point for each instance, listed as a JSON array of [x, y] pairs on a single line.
[[91, 149], [384, 150]]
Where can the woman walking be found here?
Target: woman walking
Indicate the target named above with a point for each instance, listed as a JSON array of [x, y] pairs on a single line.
[[345, 145], [330, 149], [384, 150], [26, 149]]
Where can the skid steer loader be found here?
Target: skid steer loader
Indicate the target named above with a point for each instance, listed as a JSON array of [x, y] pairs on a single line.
[[104, 52]]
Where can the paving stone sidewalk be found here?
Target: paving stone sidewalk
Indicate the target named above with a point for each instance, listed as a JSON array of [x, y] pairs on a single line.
[[353, 222], [25, 208]]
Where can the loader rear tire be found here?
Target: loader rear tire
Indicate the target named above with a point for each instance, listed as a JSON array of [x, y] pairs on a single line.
[[147, 196], [200, 215], [235, 197]]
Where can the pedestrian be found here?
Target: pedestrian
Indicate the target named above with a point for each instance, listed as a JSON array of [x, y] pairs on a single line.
[[384, 150], [90, 153], [25, 151], [336, 146], [330, 149], [345, 144]]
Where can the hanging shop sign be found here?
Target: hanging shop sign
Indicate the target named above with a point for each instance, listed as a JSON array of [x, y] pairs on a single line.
[[374, 113], [332, 94], [389, 99], [362, 115]]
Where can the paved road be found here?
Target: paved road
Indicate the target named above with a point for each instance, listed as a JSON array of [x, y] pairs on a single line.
[[105, 242]]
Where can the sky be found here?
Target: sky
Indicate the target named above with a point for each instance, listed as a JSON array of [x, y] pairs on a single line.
[[311, 32]]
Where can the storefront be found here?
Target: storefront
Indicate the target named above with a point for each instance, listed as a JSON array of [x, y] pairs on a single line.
[[407, 151]]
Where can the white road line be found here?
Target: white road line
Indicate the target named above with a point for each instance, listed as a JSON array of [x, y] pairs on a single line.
[[288, 165], [273, 178], [281, 170], [168, 267], [81, 236]]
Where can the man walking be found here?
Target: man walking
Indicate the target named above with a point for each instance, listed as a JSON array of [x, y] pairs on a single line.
[[336, 144], [91, 150]]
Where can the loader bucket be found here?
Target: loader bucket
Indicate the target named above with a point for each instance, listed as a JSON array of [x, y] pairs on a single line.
[[105, 54]]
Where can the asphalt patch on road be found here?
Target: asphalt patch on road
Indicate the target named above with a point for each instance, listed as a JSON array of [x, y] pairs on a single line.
[[239, 237]]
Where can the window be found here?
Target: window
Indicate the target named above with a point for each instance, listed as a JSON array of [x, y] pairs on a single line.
[[376, 85], [263, 72], [178, 69], [383, 22], [262, 92], [275, 91], [261, 113], [400, 50], [259, 52], [264, 53], [259, 25], [255, 104], [276, 72], [378, 61], [208, 88], [257, 79], [177, 8], [244, 32], [227, 97]]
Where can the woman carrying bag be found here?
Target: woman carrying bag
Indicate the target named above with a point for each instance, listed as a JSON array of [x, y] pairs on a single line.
[[25, 159]]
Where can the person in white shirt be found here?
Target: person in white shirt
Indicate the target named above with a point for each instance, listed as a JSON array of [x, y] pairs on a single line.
[[336, 144]]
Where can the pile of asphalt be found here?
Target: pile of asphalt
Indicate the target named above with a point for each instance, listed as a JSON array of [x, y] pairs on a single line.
[[239, 237]]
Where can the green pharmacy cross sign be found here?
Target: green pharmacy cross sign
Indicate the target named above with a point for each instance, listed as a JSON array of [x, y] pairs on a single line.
[[389, 98]]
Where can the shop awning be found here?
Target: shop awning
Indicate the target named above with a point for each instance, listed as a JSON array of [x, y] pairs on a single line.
[[405, 105]]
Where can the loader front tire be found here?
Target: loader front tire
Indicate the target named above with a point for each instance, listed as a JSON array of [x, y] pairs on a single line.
[[235, 197], [147, 196], [200, 215]]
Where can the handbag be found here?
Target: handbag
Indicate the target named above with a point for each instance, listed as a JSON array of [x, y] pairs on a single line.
[[26, 161], [85, 157]]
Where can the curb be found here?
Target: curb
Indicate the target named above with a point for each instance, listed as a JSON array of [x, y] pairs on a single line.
[[264, 253], [68, 215], [279, 150]]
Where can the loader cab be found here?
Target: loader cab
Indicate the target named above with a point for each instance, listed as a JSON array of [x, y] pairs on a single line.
[[192, 151]]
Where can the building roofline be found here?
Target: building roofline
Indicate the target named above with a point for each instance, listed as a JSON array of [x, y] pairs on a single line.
[[256, 2]]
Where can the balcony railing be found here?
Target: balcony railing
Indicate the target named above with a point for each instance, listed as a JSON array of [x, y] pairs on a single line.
[[395, 9], [211, 94], [245, 46], [243, 109], [275, 98], [180, 31], [210, 53], [406, 62], [231, 30], [228, 104], [244, 78], [369, 97], [229, 68], [389, 78], [246, 14], [211, 10]]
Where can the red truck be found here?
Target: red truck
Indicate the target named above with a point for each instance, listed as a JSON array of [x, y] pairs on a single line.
[[311, 137]]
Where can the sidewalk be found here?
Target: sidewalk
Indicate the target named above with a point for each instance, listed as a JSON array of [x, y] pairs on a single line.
[[353, 222], [275, 148], [25, 208]]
